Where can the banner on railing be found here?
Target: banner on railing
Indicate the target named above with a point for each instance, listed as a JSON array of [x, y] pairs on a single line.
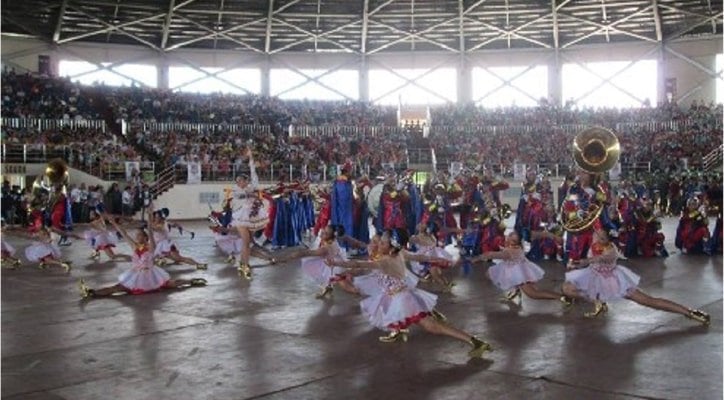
[[519, 172], [615, 173], [455, 168], [194, 172], [131, 167]]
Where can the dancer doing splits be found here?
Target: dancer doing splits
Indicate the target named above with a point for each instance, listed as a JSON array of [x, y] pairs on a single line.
[[398, 306]]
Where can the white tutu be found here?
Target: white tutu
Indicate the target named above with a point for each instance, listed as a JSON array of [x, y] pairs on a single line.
[[604, 282], [317, 269], [39, 250], [229, 244], [7, 249], [99, 239], [396, 305], [430, 251], [369, 284], [514, 271], [242, 216], [143, 276]]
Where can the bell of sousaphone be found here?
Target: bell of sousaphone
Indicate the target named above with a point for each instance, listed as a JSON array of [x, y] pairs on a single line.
[[596, 150]]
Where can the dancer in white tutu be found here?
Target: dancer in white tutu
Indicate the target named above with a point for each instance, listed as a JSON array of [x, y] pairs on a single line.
[[603, 280], [165, 247], [144, 276], [8, 255], [250, 212], [100, 238], [314, 262], [44, 250], [228, 241], [398, 306], [515, 273], [426, 242]]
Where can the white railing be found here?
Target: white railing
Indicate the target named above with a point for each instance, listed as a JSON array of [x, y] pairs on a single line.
[[153, 126], [46, 124]]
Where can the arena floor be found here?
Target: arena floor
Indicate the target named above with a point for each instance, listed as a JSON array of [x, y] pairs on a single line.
[[272, 339]]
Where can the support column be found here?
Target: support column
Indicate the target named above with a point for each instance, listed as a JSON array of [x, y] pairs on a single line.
[[555, 81], [364, 79], [465, 81], [661, 97], [266, 77], [162, 70]]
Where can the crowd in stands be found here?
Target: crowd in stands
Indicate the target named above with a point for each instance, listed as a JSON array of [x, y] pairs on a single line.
[[543, 141], [32, 96]]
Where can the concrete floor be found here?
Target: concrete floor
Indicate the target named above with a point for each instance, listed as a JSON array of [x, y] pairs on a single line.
[[271, 339]]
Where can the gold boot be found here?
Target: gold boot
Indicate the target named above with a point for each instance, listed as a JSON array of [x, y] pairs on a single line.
[[96, 255], [325, 292], [566, 301], [42, 265], [511, 296], [231, 259], [85, 291], [66, 266], [16, 264], [440, 317], [395, 336], [198, 282], [699, 316], [245, 271], [202, 266], [599, 309], [479, 348]]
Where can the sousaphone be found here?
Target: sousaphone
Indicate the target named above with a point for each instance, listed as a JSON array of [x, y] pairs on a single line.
[[595, 150]]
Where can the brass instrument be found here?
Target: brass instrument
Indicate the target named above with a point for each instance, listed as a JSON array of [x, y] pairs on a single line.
[[45, 185], [595, 150]]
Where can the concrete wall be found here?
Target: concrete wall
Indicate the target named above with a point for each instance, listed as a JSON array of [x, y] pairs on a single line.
[[690, 76]]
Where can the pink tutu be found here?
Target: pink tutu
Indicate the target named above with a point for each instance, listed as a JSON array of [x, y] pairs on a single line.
[[99, 239], [143, 276], [317, 269], [604, 282], [229, 244], [515, 271], [7, 249], [396, 305], [37, 251]]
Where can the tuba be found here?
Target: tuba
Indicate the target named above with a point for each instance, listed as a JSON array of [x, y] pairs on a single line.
[[44, 186], [595, 150]]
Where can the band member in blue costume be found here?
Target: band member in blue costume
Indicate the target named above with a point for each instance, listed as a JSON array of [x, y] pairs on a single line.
[[343, 200]]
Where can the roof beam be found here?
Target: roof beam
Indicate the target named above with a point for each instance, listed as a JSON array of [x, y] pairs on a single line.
[[217, 34], [108, 27], [461, 26], [59, 23], [314, 36], [323, 34], [609, 26], [688, 28], [365, 22], [267, 36], [167, 23], [554, 13], [657, 20], [508, 33], [418, 35]]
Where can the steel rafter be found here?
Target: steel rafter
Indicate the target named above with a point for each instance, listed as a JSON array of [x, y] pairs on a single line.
[[214, 75], [59, 23], [225, 36], [612, 25]]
